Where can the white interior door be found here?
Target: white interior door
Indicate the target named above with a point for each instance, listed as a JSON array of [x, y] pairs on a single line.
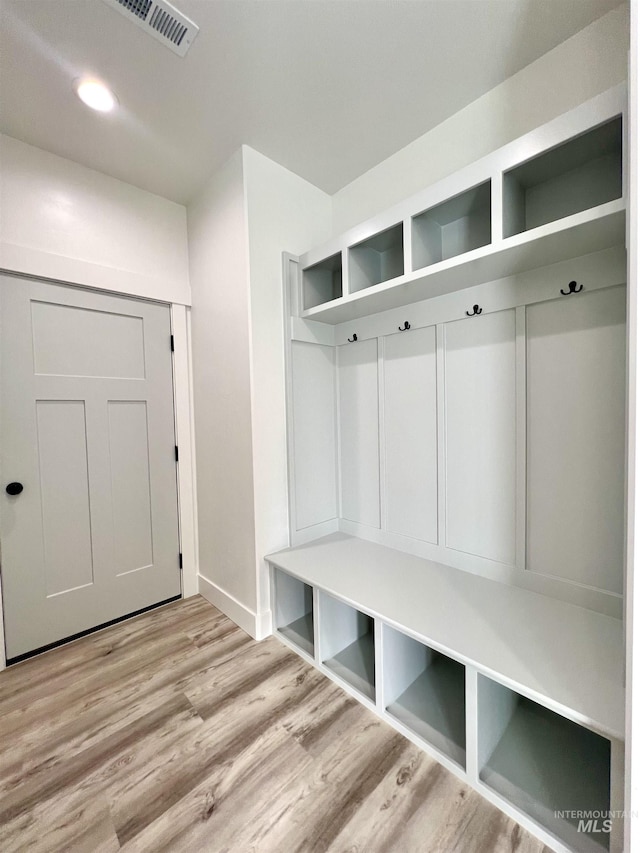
[[87, 429]]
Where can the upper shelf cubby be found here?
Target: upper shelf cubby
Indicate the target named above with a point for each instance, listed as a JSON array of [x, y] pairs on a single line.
[[555, 194], [452, 228], [377, 259], [582, 173], [322, 282]]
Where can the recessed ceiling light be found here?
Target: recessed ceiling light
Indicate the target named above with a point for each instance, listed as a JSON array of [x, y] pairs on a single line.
[[95, 95]]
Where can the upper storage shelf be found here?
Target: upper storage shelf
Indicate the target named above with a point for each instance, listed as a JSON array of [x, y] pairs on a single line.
[[377, 259], [552, 195], [323, 282], [583, 173], [452, 228]]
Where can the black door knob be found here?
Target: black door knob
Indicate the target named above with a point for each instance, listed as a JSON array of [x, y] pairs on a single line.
[[14, 488]]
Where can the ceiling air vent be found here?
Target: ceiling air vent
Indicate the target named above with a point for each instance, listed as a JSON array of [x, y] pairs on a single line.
[[161, 21]]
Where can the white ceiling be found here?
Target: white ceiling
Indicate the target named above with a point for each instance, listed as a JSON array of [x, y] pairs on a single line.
[[327, 88]]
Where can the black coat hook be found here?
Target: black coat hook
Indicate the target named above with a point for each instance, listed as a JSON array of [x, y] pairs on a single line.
[[407, 325], [353, 339], [574, 287], [476, 310]]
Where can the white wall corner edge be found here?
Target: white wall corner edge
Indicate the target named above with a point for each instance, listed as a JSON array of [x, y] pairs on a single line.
[[257, 625]]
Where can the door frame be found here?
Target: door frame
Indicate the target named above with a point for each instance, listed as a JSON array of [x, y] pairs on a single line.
[[185, 439]]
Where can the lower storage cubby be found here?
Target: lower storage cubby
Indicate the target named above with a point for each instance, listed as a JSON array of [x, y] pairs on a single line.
[[550, 768], [294, 610], [425, 691], [347, 644]]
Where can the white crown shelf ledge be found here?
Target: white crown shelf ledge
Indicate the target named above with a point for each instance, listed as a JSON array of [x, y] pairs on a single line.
[[557, 193], [602, 227]]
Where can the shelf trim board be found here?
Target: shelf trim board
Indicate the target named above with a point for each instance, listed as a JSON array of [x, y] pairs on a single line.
[[521, 439], [442, 600], [616, 787], [497, 206], [378, 650], [316, 626], [472, 733]]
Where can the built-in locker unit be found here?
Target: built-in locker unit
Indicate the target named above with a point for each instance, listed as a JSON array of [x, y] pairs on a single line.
[[456, 413]]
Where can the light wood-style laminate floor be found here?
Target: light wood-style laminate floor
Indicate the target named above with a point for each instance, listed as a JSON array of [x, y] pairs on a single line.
[[177, 732]]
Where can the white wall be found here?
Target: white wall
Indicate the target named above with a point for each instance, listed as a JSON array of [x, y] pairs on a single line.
[[219, 272], [63, 221], [590, 62], [239, 225], [284, 213]]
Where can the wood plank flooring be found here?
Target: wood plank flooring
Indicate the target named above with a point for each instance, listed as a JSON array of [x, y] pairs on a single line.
[[177, 732]]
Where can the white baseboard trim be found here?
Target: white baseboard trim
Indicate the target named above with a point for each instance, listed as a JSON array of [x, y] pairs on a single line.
[[257, 625], [263, 625]]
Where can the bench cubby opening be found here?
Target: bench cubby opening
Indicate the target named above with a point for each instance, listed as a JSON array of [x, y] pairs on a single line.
[[347, 644], [580, 174], [456, 226], [378, 259], [294, 610], [322, 282], [547, 766], [425, 691]]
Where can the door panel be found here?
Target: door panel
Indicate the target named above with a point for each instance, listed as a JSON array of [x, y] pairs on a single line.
[[576, 370], [93, 334], [130, 481], [410, 434], [64, 489], [86, 424], [359, 443], [480, 435]]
